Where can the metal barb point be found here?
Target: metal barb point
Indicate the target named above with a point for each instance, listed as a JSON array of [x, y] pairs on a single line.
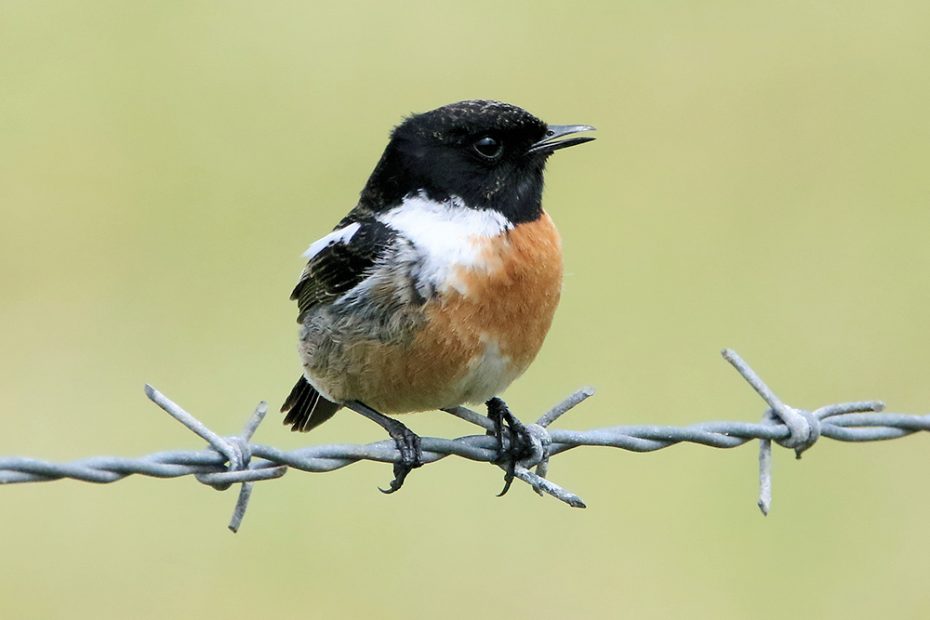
[[804, 427], [574, 399], [236, 450]]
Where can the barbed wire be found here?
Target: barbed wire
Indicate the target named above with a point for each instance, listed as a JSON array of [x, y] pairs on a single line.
[[236, 460]]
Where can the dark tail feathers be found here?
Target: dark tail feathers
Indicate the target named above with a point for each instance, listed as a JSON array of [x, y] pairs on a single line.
[[306, 408]]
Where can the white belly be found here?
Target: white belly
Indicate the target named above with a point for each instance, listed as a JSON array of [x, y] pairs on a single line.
[[489, 374]]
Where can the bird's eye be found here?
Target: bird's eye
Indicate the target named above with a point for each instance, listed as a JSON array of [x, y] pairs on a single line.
[[488, 147]]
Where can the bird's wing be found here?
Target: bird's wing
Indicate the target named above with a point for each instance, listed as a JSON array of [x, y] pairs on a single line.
[[339, 261]]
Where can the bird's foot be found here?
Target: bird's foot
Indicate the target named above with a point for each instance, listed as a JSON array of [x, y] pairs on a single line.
[[408, 443], [411, 456], [519, 445]]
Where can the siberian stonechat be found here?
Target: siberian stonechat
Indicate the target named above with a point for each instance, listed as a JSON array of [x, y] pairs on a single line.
[[438, 288]]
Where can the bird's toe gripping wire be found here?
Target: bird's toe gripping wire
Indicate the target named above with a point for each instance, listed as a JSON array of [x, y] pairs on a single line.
[[519, 440], [411, 457], [408, 443]]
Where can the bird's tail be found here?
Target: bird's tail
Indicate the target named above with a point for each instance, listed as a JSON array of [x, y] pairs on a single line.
[[306, 408]]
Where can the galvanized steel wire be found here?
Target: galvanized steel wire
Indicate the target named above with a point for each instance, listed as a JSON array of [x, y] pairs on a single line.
[[236, 460]]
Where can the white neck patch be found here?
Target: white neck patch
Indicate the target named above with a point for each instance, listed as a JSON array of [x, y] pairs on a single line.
[[444, 235]]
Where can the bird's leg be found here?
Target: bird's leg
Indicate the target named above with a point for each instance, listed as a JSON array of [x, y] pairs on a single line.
[[519, 444], [408, 443]]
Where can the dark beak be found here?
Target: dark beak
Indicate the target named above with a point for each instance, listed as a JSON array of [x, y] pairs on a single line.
[[554, 134]]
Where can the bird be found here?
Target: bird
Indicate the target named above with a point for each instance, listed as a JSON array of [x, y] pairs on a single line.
[[438, 288]]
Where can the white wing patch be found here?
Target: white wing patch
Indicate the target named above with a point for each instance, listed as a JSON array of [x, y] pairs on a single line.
[[342, 235], [444, 235]]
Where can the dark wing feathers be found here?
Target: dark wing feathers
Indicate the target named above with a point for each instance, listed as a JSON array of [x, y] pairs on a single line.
[[341, 265], [306, 408]]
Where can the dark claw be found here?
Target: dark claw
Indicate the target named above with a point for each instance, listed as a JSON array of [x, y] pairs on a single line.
[[520, 443], [508, 477], [408, 443]]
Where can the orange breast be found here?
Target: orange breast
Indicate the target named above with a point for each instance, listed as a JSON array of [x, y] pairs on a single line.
[[476, 337], [482, 334], [513, 298]]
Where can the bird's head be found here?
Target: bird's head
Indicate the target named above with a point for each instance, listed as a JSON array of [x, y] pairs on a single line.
[[488, 153]]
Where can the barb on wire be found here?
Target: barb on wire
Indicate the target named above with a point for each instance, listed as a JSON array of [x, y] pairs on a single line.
[[236, 460]]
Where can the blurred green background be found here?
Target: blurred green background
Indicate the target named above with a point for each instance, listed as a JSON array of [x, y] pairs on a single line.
[[760, 181]]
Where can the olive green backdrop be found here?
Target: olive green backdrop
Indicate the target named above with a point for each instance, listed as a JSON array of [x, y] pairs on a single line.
[[760, 181]]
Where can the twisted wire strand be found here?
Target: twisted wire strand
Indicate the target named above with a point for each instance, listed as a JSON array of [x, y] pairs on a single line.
[[236, 460]]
